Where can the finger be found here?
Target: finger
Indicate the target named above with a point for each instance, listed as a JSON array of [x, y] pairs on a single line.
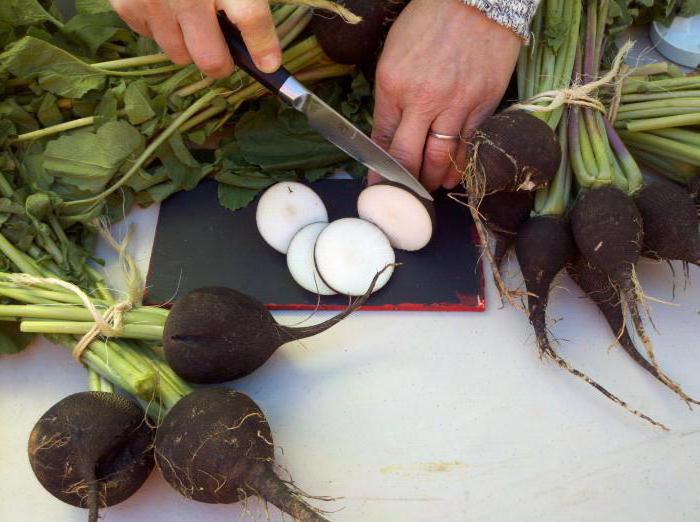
[[135, 21], [254, 20], [387, 117], [166, 31], [204, 41], [439, 153], [409, 141]]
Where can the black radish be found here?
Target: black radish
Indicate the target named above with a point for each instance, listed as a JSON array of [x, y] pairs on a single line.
[[407, 219], [284, 209], [670, 222], [215, 334], [503, 213], [356, 43], [215, 446], [92, 450], [597, 286], [609, 233], [543, 247], [512, 150]]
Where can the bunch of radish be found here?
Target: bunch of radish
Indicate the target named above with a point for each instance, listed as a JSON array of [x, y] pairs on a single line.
[[342, 257], [560, 185]]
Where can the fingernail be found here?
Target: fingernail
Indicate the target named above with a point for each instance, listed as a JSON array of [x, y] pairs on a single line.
[[269, 63]]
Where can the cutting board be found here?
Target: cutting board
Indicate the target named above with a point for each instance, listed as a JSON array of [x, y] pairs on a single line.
[[199, 243]]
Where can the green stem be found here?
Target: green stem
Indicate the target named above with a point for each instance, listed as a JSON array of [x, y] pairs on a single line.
[[144, 72], [19, 259], [679, 120], [631, 98], [138, 61], [129, 331], [660, 104], [623, 119], [94, 380], [76, 313], [558, 194], [671, 84], [664, 146], [681, 135], [55, 129]]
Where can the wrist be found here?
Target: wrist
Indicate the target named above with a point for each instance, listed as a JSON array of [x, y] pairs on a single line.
[[515, 15]]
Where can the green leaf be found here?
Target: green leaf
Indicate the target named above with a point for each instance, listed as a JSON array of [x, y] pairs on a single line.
[[93, 30], [48, 112], [137, 103], [55, 69], [38, 205], [92, 6], [279, 138], [106, 110], [185, 171], [7, 130], [20, 13], [235, 198], [23, 120], [11, 339], [252, 179], [89, 159]]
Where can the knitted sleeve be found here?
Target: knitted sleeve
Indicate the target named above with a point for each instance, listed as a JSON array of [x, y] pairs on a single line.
[[513, 14]]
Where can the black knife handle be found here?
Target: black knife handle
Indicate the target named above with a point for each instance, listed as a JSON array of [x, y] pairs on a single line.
[[241, 56]]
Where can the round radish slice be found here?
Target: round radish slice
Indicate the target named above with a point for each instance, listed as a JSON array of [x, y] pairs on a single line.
[[300, 260], [407, 219], [349, 253], [284, 209]]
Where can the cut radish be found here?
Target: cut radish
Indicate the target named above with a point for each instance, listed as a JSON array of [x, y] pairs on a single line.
[[407, 219], [300, 260], [284, 209], [349, 253]]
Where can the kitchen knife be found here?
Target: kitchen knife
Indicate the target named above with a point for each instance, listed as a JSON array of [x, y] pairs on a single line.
[[322, 118]]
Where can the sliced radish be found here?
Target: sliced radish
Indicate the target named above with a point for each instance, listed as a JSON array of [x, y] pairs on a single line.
[[349, 253], [284, 209], [300, 260], [407, 219]]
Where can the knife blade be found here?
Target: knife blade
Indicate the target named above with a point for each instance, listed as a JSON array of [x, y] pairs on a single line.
[[322, 117]]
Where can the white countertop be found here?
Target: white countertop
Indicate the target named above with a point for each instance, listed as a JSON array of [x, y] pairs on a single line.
[[431, 416]]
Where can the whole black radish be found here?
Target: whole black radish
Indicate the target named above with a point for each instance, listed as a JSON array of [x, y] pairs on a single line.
[[92, 450], [670, 222], [512, 150], [544, 246], [356, 43], [215, 446], [216, 334]]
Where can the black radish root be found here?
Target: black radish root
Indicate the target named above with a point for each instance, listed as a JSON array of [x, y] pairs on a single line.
[[597, 286], [215, 334], [670, 222], [608, 230], [503, 213], [215, 446], [512, 151], [92, 450], [544, 247], [355, 43]]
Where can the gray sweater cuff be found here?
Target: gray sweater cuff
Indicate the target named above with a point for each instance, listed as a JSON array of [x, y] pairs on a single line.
[[516, 15]]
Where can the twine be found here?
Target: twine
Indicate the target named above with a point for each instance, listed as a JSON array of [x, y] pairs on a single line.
[[582, 95], [112, 322]]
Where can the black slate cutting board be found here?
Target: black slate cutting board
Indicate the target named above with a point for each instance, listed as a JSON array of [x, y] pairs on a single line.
[[199, 243]]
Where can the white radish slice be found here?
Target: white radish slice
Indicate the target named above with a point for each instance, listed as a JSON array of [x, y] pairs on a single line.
[[349, 252], [407, 219], [300, 260], [284, 209]]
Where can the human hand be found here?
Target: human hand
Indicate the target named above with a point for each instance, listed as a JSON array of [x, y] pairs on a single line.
[[188, 31], [445, 67]]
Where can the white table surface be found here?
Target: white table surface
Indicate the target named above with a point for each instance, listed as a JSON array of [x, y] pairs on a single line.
[[431, 417]]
